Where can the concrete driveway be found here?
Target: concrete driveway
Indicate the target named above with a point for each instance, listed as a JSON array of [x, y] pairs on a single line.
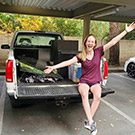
[[115, 115]]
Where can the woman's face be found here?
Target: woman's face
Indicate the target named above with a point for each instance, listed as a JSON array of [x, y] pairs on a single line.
[[90, 43]]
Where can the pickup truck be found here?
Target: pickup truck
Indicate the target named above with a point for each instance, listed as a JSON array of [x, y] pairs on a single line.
[[38, 49]]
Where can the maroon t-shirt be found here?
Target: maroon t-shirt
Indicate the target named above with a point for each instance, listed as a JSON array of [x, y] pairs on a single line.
[[91, 68]]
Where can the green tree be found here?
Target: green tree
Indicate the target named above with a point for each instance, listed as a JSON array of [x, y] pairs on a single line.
[[68, 27], [30, 22], [100, 29], [8, 22]]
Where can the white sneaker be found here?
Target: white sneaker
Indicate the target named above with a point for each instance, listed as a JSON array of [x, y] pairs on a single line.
[[86, 124], [91, 127]]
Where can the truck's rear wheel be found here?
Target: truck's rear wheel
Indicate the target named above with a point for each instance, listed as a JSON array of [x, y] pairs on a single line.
[[15, 105]]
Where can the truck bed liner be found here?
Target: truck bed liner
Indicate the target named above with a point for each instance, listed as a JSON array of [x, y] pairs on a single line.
[[64, 88]]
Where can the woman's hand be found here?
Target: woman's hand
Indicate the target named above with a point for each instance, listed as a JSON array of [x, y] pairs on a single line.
[[49, 69], [130, 27]]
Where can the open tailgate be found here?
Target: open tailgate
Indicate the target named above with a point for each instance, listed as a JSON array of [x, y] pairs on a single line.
[[64, 88]]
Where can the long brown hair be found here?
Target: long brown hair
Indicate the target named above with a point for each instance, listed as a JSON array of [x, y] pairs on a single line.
[[83, 54]]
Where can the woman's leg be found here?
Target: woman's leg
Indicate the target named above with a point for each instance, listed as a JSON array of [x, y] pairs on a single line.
[[96, 90], [84, 91]]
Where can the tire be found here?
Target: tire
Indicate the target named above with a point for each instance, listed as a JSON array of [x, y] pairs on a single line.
[[15, 105], [131, 70], [19, 103]]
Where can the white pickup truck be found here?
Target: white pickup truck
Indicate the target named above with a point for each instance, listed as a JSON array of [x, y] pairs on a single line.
[[38, 49]]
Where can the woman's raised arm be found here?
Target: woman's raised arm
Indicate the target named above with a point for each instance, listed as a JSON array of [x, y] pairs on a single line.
[[120, 36]]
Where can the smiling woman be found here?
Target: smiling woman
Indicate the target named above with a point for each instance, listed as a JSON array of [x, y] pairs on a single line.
[[90, 43], [90, 79]]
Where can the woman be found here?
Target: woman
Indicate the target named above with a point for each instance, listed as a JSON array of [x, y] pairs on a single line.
[[90, 80]]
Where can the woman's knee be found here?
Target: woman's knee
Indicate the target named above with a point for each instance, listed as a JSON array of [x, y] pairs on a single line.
[[97, 97], [84, 95], [84, 91], [96, 90]]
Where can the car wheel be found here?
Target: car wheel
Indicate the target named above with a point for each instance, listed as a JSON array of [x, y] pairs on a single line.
[[15, 105], [131, 70]]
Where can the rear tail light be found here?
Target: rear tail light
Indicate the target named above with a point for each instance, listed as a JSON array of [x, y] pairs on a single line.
[[105, 70], [9, 71]]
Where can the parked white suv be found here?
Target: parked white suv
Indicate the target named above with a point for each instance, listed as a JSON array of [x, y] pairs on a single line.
[[129, 67]]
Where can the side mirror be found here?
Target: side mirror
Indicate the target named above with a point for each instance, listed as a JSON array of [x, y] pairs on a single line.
[[5, 46]]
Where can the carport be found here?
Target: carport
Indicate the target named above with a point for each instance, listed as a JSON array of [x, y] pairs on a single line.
[[102, 10]]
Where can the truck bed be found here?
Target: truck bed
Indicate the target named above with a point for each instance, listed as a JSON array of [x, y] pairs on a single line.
[[64, 88]]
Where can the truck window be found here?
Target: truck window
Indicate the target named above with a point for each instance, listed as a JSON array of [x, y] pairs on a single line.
[[35, 40]]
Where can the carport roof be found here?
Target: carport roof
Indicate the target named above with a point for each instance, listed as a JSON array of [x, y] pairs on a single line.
[[104, 10]]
